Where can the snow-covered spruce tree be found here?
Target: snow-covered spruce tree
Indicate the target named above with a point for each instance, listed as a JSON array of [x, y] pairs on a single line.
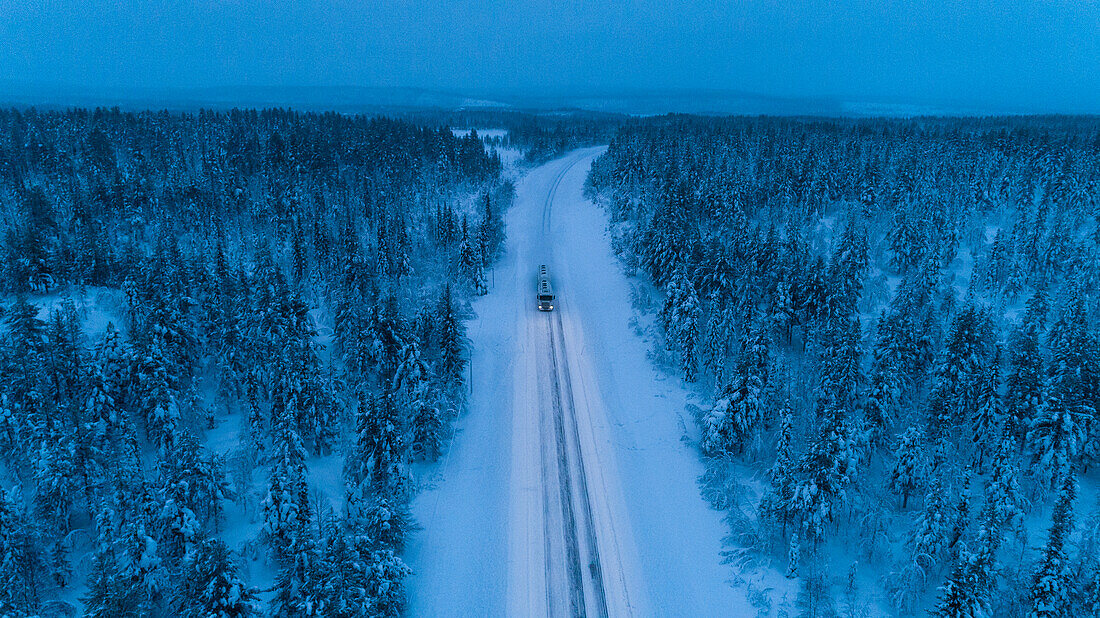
[[192, 488], [995, 271], [32, 245], [680, 318], [210, 586], [825, 471], [781, 313], [715, 343], [490, 233], [166, 323], [847, 271], [256, 424], [716, 273], [470, 261], [388, 447], [386, 584], [973, 580], [304, 386], [378, 453], [1004, 505], [286, 505], [357, 461], [775, 503], [1050, 591], [55, 476], [22, 568], [342, 585], [413, 391], [739, 408], [954, 390], [988, 418], [351, 340], [428, 427], [925, 547], [106, 382], [930, 536], [885, 384], [963, 594], [929, 301], [128, 577], [960, 518], [299, 584], [397, 258], [363, 576], [1086, 571], [1061, 425], [663, 239], [156, 396], [910, 469], [26, 413], [63, 359], [841, 373], [908, 240], [452, 341], [1024, 386], [385, 522], [377, 523], [411, 375], [666, 317]]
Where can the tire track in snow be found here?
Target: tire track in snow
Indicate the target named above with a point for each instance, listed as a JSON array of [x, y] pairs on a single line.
[[565, 382], [549, 203], [547, 516], [566, 461]]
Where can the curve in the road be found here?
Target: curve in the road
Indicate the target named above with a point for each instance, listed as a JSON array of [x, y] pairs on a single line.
[[549, 203]]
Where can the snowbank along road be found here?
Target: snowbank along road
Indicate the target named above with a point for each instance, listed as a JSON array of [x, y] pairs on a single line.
[[568, 490]]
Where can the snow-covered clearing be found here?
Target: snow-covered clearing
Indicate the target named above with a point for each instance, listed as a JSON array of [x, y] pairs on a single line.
[[568, 484]]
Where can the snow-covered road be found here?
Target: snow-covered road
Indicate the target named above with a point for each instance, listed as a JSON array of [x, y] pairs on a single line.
[[568, 490], [564, 484]]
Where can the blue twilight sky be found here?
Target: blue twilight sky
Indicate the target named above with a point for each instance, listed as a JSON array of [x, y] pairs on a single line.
[[1005, 55]]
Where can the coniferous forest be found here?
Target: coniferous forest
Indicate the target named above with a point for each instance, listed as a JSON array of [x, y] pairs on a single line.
[[550, 309], [893, 325], [209, 317], [232, 342]]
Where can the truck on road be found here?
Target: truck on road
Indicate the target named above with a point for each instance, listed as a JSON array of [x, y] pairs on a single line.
[[545, 294]]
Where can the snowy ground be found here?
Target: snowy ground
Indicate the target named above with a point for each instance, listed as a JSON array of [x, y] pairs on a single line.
[[568, 484]]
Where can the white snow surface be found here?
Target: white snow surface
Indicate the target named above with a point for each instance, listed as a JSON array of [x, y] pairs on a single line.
[[494, 538]]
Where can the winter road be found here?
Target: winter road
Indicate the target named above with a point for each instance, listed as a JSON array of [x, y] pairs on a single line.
[[568, 489], [555, 459]]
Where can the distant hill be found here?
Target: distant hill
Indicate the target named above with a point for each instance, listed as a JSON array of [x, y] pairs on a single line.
[[356, 99]]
